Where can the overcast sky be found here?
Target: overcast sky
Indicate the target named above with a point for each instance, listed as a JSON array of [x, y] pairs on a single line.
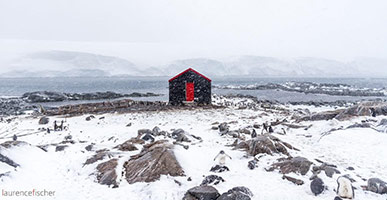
[[337, 29]]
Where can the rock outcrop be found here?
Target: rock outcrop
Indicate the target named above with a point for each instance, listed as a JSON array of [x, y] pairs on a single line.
[[100, 155], [8, 161], [237, 193], [127, 146], [44, 120], [203, 192], [212, 179], [298, 165], [366, 108], [107, 173], [377, 185], [267, 144], [154, 160]]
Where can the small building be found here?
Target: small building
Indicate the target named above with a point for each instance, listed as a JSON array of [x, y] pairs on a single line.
[[189, 87]]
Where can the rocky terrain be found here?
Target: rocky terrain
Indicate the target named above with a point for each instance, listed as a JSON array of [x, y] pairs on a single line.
[[313, 88], [31, 101], [47, 96], [275, 151]]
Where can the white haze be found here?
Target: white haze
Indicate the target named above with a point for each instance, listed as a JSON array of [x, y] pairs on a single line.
[[154, 34]]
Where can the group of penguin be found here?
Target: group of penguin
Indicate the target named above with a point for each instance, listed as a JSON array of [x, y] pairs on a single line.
[[344, 188], [344, 185]]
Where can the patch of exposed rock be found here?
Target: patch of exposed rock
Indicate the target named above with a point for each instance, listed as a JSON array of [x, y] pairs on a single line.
[[127, 146], [212, 179], [107, 173], [203, 192], [9, 144], [237, 193], [44, 120], [298, 165], [100, 155], [366, 108], [266, 144], [8, 161], [154, 160], [377, 185]]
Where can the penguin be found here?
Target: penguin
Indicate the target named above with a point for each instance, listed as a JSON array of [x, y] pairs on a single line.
[[14, 137], [264, 127], [61, 125], [344, 188], [271, 129], [55, 126], [222, 157], [254, 134]]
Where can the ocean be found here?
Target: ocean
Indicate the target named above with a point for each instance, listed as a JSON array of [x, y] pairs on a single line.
[[10, 87]]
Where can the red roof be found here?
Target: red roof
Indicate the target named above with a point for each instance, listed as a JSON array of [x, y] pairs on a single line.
[[192, 70]]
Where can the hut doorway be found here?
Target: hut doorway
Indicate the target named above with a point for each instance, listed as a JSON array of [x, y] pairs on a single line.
[[189, 91]]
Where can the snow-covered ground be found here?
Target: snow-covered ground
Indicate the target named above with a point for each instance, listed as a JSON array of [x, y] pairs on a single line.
[[64, 172]]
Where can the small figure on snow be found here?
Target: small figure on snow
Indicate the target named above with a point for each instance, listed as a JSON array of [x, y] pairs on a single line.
[[254, 134], [14, 137], [221, 157], [55, 126], [271, 129]]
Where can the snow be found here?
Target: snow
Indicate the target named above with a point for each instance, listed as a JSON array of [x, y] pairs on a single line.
[[63, 171]]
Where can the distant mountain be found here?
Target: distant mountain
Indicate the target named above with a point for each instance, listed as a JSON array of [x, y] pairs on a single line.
[[209, 67], [259, 66], [70, 63], [70, 73]]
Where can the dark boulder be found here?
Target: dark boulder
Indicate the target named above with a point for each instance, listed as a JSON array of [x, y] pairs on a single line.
[[148, 137], [100, 155], [219, 169], [107, 173], [267, 144], [44, 120], [293, 180], [176, 133], [212, 179], [203, 192], [245, 131], [144, 131], [297, 165], [237, 193], [182, 138], [317, 186], [60, 148], [252, 164], [223, 127], [377, 185], [156, 131], [89, 147], [126, 146], [8, 161], [9, 144]]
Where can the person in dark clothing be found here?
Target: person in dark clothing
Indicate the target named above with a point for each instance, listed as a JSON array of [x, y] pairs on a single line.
[[14, 137]]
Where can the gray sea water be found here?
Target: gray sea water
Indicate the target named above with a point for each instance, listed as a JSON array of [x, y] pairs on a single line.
[[19, 86]]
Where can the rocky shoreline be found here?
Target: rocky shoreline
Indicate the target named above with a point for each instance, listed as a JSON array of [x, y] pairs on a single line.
[[30, 101], [312, 88], [47, 96]]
